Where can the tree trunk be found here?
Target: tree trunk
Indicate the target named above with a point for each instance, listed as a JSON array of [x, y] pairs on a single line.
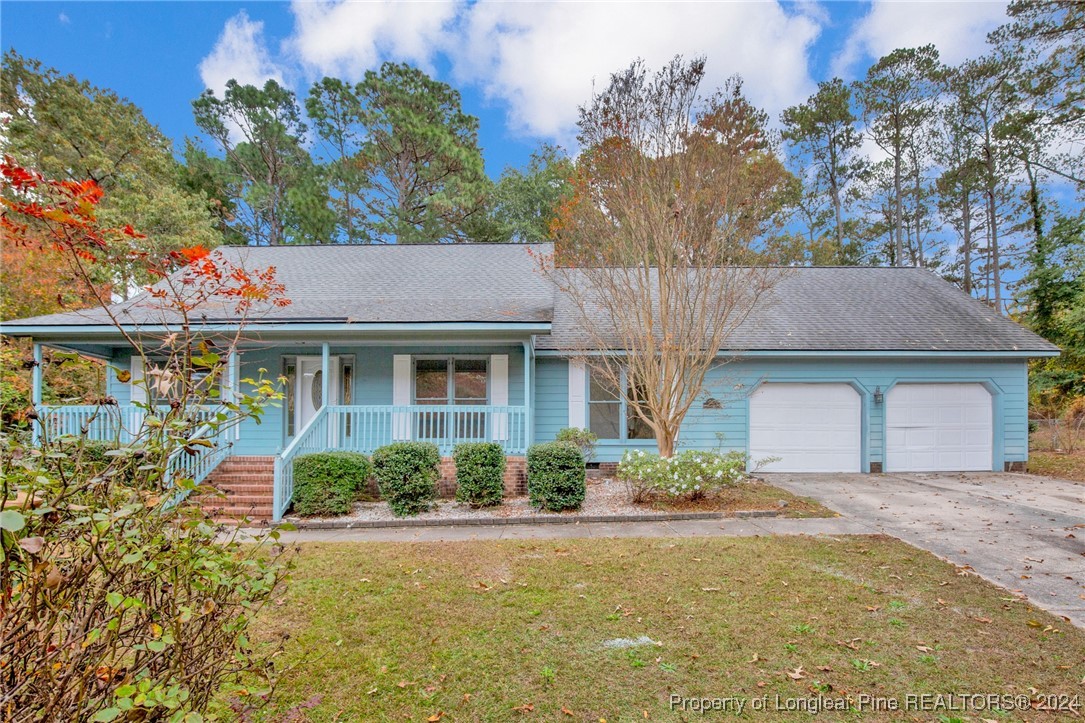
[[966, 216]]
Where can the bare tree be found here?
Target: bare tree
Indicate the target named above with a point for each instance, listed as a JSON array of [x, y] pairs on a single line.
[[657, 246]]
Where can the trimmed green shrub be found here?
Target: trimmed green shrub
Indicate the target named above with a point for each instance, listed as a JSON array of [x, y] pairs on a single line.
[[555, 476], [584, 439], [480, 473], [327, 483], [407, 474]]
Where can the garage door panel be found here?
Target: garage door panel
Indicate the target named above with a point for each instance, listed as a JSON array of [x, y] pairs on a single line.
[[938, 427], [809, 427]]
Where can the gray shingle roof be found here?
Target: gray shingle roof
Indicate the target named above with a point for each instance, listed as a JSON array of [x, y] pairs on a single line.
[[842, 308], [816, 309], [375, 284]]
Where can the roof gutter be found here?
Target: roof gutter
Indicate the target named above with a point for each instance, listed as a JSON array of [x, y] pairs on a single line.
[[88, 332], [849, 353]]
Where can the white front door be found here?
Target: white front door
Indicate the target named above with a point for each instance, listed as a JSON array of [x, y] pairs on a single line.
[[938, 428], [808, 427], [309, 388]]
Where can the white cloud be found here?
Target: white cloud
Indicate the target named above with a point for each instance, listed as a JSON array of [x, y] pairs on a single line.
[[345, 38], [542, 59], [241, 54], [958, 29], [64, 19]]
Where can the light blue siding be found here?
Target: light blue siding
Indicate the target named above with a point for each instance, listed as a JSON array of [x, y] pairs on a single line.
[[551, 397], [731, 384], [120, 391], [705, 427]]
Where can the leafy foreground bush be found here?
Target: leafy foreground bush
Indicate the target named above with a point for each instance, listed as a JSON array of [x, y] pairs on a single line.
[[480, 473], [407, 474], [689, 476], [584, 439], [555, 476], [327, 483], [118, 604]]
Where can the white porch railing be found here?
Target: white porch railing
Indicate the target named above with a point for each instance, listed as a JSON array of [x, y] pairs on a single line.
[[365, 428], [198, 464], [102, 422]]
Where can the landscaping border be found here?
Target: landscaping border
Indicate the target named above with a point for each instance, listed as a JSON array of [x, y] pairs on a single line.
[[557, 519]]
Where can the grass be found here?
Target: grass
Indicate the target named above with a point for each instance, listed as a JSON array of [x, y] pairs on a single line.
[[594, 629], [1064, 465], [753, 495], [1048, 455]]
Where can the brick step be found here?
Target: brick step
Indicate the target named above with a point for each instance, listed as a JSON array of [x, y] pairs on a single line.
[[258, 458], [247, 469], [235, 477], [242, 487], [243, 500], [231, 509]]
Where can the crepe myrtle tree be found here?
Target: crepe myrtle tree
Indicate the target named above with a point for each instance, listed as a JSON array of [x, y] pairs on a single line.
[[120, 599], [658, 247]]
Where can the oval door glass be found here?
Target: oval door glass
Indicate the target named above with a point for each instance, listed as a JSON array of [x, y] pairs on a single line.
[[317, 390]]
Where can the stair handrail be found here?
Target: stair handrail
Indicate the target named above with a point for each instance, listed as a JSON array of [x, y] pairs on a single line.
[[175, 462], [283, 490]]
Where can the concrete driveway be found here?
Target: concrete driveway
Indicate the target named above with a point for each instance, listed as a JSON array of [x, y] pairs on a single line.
[[1022, 532]]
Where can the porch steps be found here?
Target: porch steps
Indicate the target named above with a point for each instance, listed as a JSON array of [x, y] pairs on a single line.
[[249, 486]]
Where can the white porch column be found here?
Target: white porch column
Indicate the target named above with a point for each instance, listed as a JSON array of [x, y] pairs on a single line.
[[35, 394], [529, 413], [233, 369]]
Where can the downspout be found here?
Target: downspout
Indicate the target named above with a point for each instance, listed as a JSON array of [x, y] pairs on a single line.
[[35, 395]]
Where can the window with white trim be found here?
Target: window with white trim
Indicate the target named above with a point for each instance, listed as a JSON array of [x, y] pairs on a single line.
[[610, 416]]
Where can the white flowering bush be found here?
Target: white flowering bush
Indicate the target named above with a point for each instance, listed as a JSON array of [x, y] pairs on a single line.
[[689, 475]]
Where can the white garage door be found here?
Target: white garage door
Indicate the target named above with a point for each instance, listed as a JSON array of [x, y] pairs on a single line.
[[938, 428], [810, 427]]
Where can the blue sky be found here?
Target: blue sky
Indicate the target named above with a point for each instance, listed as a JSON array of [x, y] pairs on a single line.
[[522, 68]]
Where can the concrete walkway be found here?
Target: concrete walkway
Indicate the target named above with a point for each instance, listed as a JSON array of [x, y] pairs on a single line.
[[1022, 532], [672, 528]]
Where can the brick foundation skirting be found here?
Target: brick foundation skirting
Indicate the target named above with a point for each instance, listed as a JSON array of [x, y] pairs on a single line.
[[875, 467], [1016, 466], [515, 477]]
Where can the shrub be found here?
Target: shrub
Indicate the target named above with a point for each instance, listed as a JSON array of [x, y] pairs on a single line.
[[327, 483], [690, 475], [480, 473], [407, 474], [555, 476], [584, 439]]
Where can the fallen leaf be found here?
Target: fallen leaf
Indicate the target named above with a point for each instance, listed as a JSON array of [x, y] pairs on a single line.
[[796, 674], [525, 708], [436, 717], [32, 545], [982, 620], [567, 712], [924, 649], [825, 669], [754, 659], [710, 589], [873, 608], [403, 683]]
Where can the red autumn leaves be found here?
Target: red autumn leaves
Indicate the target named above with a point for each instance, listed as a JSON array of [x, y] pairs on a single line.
[[44, 213]]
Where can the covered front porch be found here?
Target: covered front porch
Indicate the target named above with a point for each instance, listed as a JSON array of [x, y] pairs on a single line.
[[348, 395]]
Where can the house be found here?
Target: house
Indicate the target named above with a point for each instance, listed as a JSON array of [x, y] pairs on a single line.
[[846, 370]]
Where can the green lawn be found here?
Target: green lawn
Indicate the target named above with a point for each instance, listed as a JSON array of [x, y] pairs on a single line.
[[518, 630]]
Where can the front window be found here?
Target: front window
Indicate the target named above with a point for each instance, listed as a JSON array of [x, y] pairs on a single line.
[[457, 381], [610, 416]]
